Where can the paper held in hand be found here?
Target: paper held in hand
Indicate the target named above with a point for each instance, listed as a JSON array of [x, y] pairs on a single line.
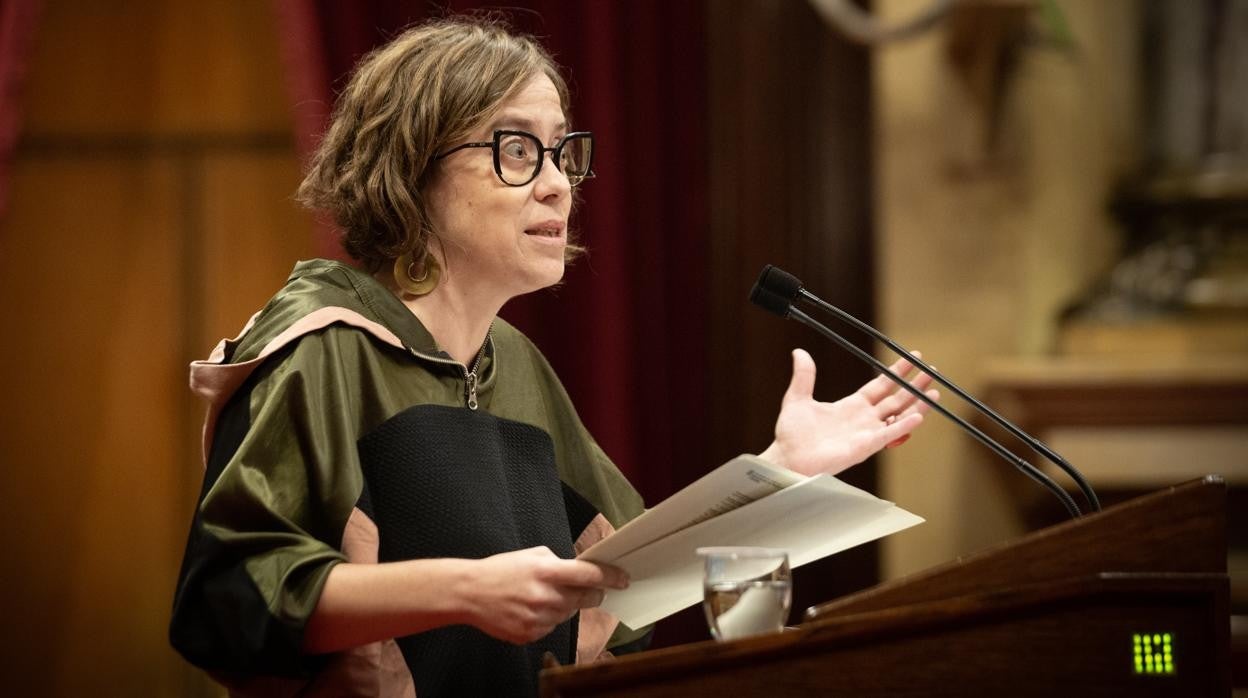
[[746, 501]]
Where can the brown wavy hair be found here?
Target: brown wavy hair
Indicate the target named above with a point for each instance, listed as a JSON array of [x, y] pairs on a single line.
[[407, 101]]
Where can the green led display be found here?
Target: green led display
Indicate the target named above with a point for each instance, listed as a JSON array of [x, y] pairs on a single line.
[[1152, 653]]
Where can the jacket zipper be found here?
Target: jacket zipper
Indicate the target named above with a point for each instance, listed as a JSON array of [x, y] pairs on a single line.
[[470, 374], [470, 377]]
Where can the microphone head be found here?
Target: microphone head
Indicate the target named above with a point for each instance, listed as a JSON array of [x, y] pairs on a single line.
[[775, 290]]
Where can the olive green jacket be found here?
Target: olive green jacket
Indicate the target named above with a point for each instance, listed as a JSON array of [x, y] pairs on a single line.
[[338, 431]]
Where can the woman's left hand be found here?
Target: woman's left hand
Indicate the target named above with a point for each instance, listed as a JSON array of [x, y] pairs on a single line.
[[815, 437]]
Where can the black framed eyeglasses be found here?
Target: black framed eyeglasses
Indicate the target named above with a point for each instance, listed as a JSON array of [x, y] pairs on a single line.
[[518, 156]]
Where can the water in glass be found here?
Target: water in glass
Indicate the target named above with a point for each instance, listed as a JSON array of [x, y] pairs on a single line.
[[747, 591]]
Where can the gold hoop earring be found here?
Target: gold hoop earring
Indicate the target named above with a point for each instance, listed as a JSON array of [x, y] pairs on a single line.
[[410, 283]]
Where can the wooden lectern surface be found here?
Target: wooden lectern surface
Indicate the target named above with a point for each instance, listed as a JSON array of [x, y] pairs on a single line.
[[1054, 612], [1178, 529]]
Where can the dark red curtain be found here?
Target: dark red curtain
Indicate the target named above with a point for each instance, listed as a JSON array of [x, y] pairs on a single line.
[[627, 330], [18, 19]]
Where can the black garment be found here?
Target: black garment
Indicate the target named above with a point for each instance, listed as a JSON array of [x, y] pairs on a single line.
[[335, 412]]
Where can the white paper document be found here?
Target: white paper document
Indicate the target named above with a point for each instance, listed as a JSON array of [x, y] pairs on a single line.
[[746, 501]]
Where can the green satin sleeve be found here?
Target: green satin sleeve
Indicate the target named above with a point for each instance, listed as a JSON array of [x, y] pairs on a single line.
[[282, 478]]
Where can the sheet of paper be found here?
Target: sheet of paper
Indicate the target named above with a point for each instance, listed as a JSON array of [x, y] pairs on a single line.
[[734, 484], [811, 519]]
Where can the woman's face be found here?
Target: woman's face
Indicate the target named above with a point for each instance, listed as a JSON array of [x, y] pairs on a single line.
[[500, 241]]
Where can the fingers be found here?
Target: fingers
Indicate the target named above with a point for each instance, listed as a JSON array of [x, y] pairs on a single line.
[[585, 598], [915, 408], [580, 573], [524, 594], [900, 399], [881, 386], [922, 407], [898, 442], [898, 432], [583, 584], [802, 385]]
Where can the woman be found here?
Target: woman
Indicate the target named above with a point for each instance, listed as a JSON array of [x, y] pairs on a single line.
[[396, 483]]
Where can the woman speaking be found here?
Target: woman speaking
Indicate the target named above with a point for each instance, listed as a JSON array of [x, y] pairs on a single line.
[[396, 483]]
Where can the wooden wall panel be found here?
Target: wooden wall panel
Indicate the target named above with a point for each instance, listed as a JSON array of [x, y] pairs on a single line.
[[89, 427], [253, 232], [150, 216], [148, 67]]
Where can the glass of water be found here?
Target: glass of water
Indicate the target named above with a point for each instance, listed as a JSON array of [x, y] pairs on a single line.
[[746, 591]]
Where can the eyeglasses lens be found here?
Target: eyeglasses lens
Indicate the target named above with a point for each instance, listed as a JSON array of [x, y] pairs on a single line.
[[576, 157], [519, 157]]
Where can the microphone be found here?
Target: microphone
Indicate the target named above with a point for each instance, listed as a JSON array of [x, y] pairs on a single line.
[[778, 291], [775, 290]]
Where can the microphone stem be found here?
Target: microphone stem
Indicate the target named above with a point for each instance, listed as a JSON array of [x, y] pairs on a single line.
[[1032, 442], [1027, 468]]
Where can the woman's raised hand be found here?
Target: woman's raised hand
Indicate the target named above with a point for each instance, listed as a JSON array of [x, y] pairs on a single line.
[[827, 437], [521, 596]]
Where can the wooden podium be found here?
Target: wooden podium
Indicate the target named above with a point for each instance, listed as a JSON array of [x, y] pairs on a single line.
[[1132, 601]]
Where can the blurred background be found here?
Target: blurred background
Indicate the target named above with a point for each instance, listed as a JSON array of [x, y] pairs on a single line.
[[1049, 198]]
